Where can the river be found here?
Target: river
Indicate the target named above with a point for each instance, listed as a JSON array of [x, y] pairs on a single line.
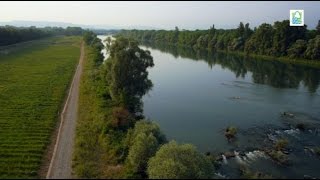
[[197, 94]]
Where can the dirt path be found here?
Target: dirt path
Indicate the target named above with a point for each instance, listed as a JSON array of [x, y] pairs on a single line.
[[60, 165]]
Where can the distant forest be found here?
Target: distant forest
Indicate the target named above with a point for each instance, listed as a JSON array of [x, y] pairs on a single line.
[[11, 34], [279, 39]]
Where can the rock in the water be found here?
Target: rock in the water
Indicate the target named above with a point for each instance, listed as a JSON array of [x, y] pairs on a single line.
[[229, 154]]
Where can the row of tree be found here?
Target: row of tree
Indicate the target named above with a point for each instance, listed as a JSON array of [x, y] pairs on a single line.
[[279, 39], [11, 35]]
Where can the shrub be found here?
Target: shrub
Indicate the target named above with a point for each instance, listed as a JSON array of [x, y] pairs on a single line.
[[230, 132], [147, 127], [297, 49], [144, 147], [142, 142], [174, 161], [279, 157]]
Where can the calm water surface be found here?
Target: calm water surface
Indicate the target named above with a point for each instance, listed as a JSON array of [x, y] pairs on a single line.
[[195, 97]]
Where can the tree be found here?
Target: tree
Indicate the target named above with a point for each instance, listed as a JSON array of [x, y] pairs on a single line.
[[127, 74], [313, 49], [173, 161], [237, 44], [88, 37], [318, 27], [240, 30], [176, 35], [247, 32], [11, 35], [121, 118], [144, 146], [142, 141], [71, 31], [146, 127], [108, 41], [212, 31], [202, 42], [213, 43], [261, 41], [297, 49], [285, 35]]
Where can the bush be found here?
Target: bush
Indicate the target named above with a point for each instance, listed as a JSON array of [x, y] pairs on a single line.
[[143, 141], [146, 127], [297, 49], [279, 156], [144, 147], [230, 132], [313, 49], [174, 161]]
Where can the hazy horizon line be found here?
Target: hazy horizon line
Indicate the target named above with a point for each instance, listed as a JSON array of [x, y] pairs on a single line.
[[111, 26]]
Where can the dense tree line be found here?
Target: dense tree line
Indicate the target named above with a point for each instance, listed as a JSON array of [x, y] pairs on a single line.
[[279, 39], [91, 39], [11, 35]]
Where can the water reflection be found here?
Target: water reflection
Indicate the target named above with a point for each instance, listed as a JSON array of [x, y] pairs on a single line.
[[273, 73]]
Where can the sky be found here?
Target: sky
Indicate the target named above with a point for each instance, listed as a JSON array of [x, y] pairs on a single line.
[[164, 15]]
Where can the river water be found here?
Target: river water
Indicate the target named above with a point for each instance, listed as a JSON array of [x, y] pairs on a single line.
[[197, 94]]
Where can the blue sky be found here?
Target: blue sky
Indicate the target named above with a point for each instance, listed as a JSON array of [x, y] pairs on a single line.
[[166, 15]]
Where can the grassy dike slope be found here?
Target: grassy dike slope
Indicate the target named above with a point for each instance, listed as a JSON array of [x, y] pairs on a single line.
[[34, 79], [99, 150]]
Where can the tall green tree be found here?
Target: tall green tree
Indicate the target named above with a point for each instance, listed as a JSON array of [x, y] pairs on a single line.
[[285, 35], [297, 49], [143, 142], [261, 41], [127, 73], [313, 49], [240, 30], [247, 31]]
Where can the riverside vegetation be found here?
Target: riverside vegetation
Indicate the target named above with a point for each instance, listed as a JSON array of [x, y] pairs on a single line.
[[34, 78], [113, 139], [278, 41]]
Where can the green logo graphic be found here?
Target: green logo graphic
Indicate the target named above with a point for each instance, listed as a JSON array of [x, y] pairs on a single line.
[[296, 17]]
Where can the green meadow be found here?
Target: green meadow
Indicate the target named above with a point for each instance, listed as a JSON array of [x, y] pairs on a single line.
[[34, 80]]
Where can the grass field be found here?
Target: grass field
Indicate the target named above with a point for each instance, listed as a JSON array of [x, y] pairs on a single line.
[[34, 79]]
